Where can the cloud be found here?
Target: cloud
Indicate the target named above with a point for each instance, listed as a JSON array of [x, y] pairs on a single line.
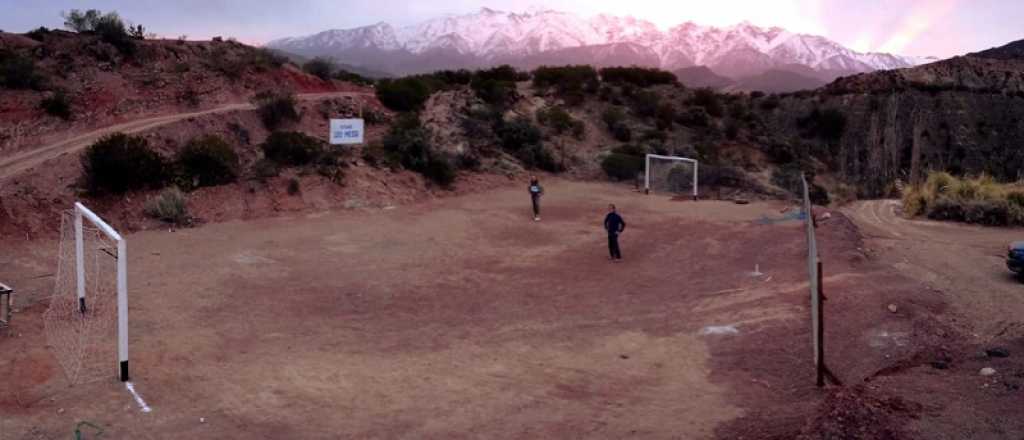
[[917, 22]]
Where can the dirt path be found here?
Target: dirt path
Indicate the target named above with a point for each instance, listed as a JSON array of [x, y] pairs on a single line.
[[26, 160], [966, 263]]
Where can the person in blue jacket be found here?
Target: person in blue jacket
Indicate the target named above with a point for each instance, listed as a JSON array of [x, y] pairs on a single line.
[[615, 225]]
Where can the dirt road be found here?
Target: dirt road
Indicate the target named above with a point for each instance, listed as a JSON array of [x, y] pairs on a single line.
[[26, 160], [965, 263]]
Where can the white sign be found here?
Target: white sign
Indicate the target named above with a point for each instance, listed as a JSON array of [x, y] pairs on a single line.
[[346, 131]]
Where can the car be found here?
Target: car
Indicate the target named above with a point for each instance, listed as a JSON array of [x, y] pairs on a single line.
[[1015, 258]]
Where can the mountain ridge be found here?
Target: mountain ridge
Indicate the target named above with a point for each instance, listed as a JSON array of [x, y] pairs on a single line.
[[489, 36]]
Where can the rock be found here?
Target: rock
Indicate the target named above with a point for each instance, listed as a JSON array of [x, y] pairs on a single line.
[[997, 352], [892, 308], [60, 411], [202, 420], [987, 371], [940, 365]]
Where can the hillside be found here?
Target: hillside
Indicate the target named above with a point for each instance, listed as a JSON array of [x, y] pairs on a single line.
[[962, 115], [93, 83]]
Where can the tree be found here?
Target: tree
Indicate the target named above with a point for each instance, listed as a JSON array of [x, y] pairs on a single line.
[[320, 67]]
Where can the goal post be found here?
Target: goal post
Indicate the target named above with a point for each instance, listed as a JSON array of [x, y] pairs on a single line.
[[668, 175], [80, 324]]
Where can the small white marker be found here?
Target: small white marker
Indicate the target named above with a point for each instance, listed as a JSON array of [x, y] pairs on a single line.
[[138, 399]]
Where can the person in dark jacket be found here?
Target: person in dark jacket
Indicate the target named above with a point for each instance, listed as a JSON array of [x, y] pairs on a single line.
[[614, 224], [536, 191]]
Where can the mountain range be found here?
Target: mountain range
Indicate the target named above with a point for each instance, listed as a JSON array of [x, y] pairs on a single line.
[[489, 37]]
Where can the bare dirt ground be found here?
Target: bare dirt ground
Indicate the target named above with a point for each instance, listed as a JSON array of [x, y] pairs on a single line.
[[461, 318], [964, 266], [456, 318]]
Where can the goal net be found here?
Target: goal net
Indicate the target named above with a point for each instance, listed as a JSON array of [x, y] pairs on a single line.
[[670, 174], [86, 323]]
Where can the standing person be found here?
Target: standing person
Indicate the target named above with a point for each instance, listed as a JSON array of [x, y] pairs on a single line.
[[536, 191], [614, 224]]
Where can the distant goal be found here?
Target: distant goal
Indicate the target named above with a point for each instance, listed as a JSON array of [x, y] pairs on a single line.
[[671, 174], [86, 323]]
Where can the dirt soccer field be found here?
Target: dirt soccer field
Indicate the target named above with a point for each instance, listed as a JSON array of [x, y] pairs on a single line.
[[463, 318]]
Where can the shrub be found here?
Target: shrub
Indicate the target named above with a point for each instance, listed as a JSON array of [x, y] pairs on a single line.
[[208, 161], [169, 206], [18, 71], [322, 68], [291, 148], [556, 118], [579, 130], [112, 30], [409, 144], [613, 116], [645, 103], [264, 169], [709, 100], [276, 109], [638, 76], [58, 105], [468, 161], [440, 171], [945, 208], [665, 115], [622, 166], [987, 212], [264, 59], [518, 133], [293, 187], [351, 77], [565, 78], [38, 34], [622, 133], [503, 72], [119, 163], [495, 92], [787, 177], [404, 94], [694, 117], [377, 156], [537, 156]]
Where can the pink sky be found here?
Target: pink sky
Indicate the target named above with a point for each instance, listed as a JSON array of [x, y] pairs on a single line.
[[912, 27]]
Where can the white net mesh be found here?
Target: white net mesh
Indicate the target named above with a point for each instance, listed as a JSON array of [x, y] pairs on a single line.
[[84, 342], [671, 176]]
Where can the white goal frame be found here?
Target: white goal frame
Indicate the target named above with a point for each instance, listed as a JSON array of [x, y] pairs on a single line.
[[647, 171], [81, 214]]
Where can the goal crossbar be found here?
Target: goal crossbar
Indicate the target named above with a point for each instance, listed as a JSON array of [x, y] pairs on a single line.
[[81, 214], [647, 170]]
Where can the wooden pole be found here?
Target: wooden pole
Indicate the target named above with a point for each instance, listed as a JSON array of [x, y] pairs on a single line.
[[820, 361]]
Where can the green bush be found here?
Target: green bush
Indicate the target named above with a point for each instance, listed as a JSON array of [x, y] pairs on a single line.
[[58, 105], [38, 34], [355, 78], [565, 78], [622, 133], [646, 103], [291, 148], [377, 156], [18, 71], [208, 161], [612, 117], [276, 109], [787, 177], [495, 92], [665, 116], [409, 144], [322, 68], [638, 76], [264, 169], [120, 163], [169, 206], [622, 166], [695, 117], [556, 118], [709, 100], [404, 94], [537, 156], [518, 133], [293, 187]]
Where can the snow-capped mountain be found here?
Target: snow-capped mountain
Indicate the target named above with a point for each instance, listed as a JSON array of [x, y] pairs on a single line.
[[489, 37]]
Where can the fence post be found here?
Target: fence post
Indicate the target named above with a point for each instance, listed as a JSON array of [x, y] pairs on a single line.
[[821, 330]]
